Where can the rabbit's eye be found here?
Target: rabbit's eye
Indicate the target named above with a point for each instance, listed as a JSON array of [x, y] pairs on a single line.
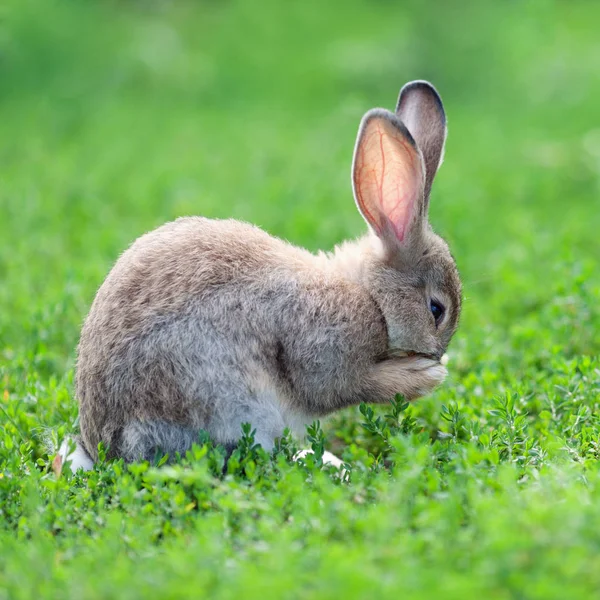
[[437, 310]]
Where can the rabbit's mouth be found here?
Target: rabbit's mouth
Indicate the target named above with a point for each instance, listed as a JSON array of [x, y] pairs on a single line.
[[397, 353]]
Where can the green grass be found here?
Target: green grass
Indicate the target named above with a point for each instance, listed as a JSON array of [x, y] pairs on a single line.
[[118, 116]]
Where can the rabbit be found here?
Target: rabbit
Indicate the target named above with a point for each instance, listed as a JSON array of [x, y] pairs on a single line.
[[207, 324]]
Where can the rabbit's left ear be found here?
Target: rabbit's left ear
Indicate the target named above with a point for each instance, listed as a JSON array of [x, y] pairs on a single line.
[[388, 179], [420, 108]]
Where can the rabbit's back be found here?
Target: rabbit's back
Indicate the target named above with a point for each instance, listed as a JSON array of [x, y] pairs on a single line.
[[201, 321]]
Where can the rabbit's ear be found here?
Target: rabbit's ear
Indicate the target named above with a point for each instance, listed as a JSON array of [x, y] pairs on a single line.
[[388, 177], [420, 108]]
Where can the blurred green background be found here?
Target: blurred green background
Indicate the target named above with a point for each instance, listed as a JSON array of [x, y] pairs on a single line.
[[117, 116]]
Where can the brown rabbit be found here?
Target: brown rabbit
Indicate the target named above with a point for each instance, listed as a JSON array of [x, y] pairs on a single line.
[[205, 324]]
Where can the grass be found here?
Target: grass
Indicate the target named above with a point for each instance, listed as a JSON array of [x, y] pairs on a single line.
[[118, 116]]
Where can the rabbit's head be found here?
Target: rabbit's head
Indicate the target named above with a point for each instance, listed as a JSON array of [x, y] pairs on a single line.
[[411, 275]]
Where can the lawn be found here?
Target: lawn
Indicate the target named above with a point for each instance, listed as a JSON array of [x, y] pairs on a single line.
[[118, 116]]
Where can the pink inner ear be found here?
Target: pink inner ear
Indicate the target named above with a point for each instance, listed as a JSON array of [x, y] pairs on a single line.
[[388, 178]]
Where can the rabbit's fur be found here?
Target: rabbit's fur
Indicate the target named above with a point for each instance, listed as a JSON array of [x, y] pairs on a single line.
[[206, 324]]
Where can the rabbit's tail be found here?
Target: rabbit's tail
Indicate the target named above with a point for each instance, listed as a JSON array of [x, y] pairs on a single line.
[[78, 456]]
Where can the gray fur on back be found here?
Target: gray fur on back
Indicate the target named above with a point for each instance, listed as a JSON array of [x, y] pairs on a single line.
[[205, 325]]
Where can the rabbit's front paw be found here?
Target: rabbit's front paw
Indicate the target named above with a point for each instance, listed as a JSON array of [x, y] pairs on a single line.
[[426, 374], [411, 376]]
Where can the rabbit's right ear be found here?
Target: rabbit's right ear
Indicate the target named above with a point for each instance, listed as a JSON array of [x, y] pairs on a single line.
[[388, 178]]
